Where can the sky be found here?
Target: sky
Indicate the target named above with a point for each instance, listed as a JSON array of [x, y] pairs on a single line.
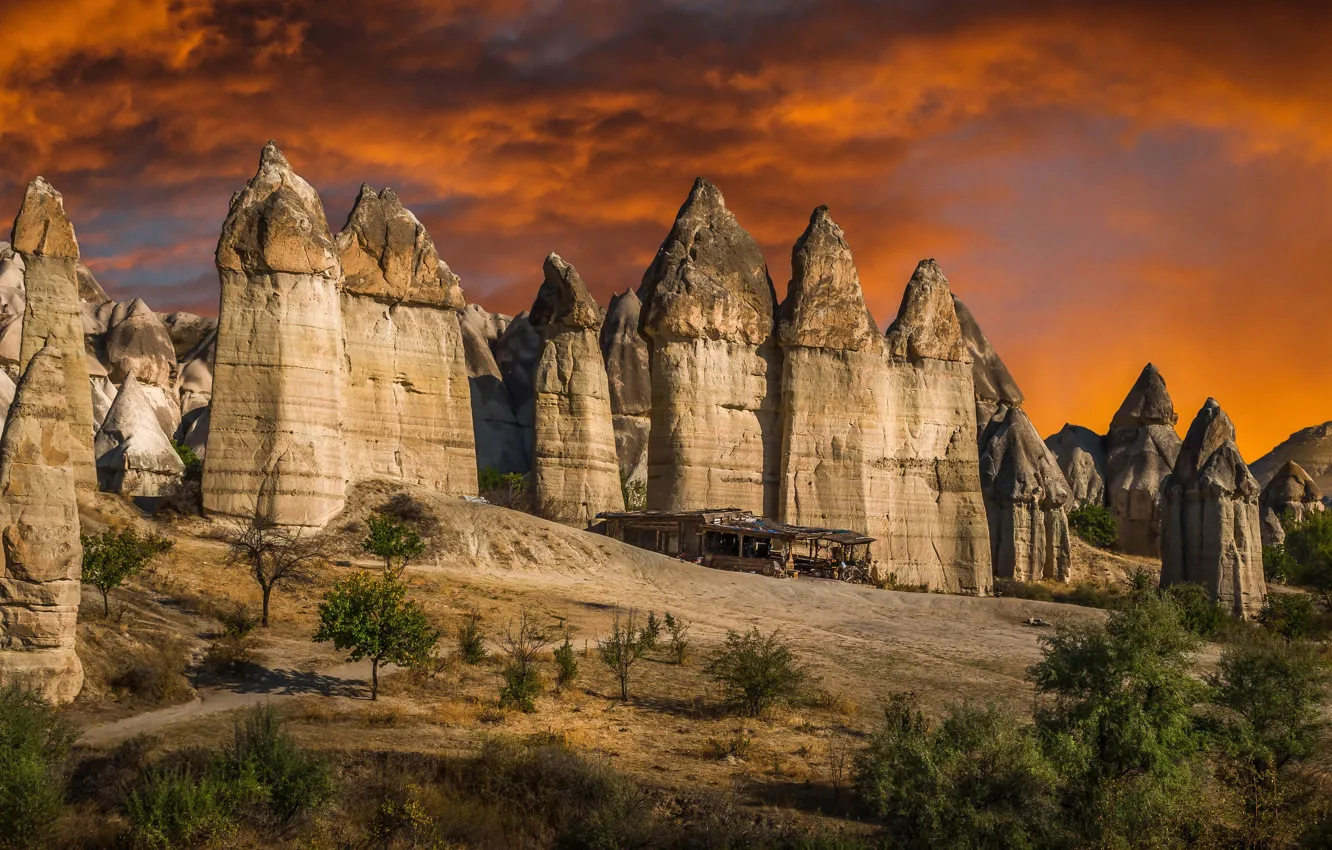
[[1105, 184]]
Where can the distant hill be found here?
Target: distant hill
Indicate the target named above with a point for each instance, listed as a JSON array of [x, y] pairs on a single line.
[[1311, 448]]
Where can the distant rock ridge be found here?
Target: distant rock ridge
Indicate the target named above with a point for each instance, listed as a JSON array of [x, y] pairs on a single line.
[[1310, 447]]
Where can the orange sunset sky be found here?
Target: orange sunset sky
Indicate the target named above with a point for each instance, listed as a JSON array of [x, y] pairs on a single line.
[[1104, 183]]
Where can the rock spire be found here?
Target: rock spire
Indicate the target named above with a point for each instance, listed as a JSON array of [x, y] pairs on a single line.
[[1141, 448]]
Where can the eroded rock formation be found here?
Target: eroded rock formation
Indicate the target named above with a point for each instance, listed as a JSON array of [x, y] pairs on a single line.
[[1141, 449], [1210, 527], [276, 444], [575, 471], [502, 443], [39, 531], [138, 344], [1026, 500], [1310, 447], [406, 405], [134, 456], [1290, 496], [708, 313], [629, 372], [1081, 455], [44, 239]]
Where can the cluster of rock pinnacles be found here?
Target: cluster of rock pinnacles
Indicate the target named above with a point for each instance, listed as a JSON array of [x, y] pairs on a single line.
[[351, 356]]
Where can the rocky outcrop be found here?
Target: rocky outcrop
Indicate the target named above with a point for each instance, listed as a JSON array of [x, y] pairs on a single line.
[[44, 239], [188, 330], [1026, 500], [194, 376], [39, 531], [994, 383], [1290, 496], [13, 302], [502, 443], [708, 313], [1210, 526], [575, 471], [1141, 449], [138, 344], [1310, 447], [517, 353], [406, 405], [276, 446], [629, 372], [134, 456], [1080, 453]]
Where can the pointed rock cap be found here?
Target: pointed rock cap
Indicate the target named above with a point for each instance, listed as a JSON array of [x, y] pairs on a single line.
[[825, 306], [993, 381], [386, 253], [42, 228], [1210, 429], [621, 322], [1225, 474], [563, 302], [1291, 485], [708, 280], [627, 357], [926, 326], [277, 224], [1148, 403], [132, 437], [1016, 466]]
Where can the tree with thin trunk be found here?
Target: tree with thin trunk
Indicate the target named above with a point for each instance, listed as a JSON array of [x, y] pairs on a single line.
[[621, 649], [113, 556], [273, 555], [521, 645], [392, 541], [370, 616]]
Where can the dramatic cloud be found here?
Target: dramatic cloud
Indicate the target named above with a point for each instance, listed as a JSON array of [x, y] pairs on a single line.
[[1104, 184]]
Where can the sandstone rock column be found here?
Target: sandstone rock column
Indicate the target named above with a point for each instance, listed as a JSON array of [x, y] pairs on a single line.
[[835, 396], [708, 313], [39, 531], [1081, 455], [274, 442], [575, 471], [44, 240], [629, 371], [1291, 494], [1210, 528], [407, 411], [938, 529], [1141, 448]]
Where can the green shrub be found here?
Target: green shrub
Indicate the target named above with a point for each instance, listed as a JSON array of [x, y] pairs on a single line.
[[1290, 615], [651, 631], [394, 541], [566, 663], [471, 641], [172, 807], [635, 494], [521, 644], [1013, 589], [621, 649], [193, 463], [234, 651], [289, 781], [1197, 611], [1309, 549], [1094, 524], [113, 556], [34, 744], [678, 630], [1277, 564], [756, 671], [506, 489]]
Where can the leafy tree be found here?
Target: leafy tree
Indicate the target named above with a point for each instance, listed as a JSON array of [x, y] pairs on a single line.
[[273, 555], [622, 648], [1277, 564], [289, 780], [113, 556], [506, 489], [371, 617], [189, 457], [1094, 524], [392, 540], [678, 630], [978, 780], [1309, 547], [652, 631], [34, 744], [566, 662], [756, 671], [521, 645], [1290, 615], [1198, 612], [634, 492]]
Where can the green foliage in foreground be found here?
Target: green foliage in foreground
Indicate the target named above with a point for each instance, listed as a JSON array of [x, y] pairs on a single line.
[[1308, 555], [33, 745], [1094, 524], [756, 671]]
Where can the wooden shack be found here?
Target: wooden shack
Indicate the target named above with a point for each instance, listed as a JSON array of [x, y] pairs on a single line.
[[733, 539]]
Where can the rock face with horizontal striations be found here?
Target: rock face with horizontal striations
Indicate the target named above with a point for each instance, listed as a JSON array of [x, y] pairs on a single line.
[[629, 372], [134, 456], [1081, 455], [1141, 448], [575, 471], [501, 442], [39, 532], [708, 313], [1290, 496], [276, 385], [1310, 447], [1211, 532], [406, 404], [44, 239]]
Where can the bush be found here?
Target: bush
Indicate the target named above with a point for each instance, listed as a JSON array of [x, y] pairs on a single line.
[[651, 631], [1277, 565], [505, 489], [288, 781], [34, 744], [471, 642], [635, 494], [521, 645], [566, 664], [1197, 611], [756, 671], [193, 463], [1012, 589], [1094, 524], [174, 808], [157, 674], [239, 621], [1290, 615], [1309, 549], [678, 630], [622, 648], [393, 541]]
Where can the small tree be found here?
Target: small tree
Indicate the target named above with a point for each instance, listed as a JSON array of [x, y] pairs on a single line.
[[189, 457], [678, 630], [652, 631], [1094, 524], [392, 540], [756, 671], [273, 555], [521, 644], [622, 648], [34, 743], [471, 642], [1309, 548], [371, 617], [111, 557], [566, 662]]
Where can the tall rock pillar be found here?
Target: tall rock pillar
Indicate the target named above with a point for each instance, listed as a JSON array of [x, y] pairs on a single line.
[[44, 239], [708, 313], [1211, 533], [1141, 449], [274, 441], [407, 410], [575, 471], [39, 531], [629, 371]]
